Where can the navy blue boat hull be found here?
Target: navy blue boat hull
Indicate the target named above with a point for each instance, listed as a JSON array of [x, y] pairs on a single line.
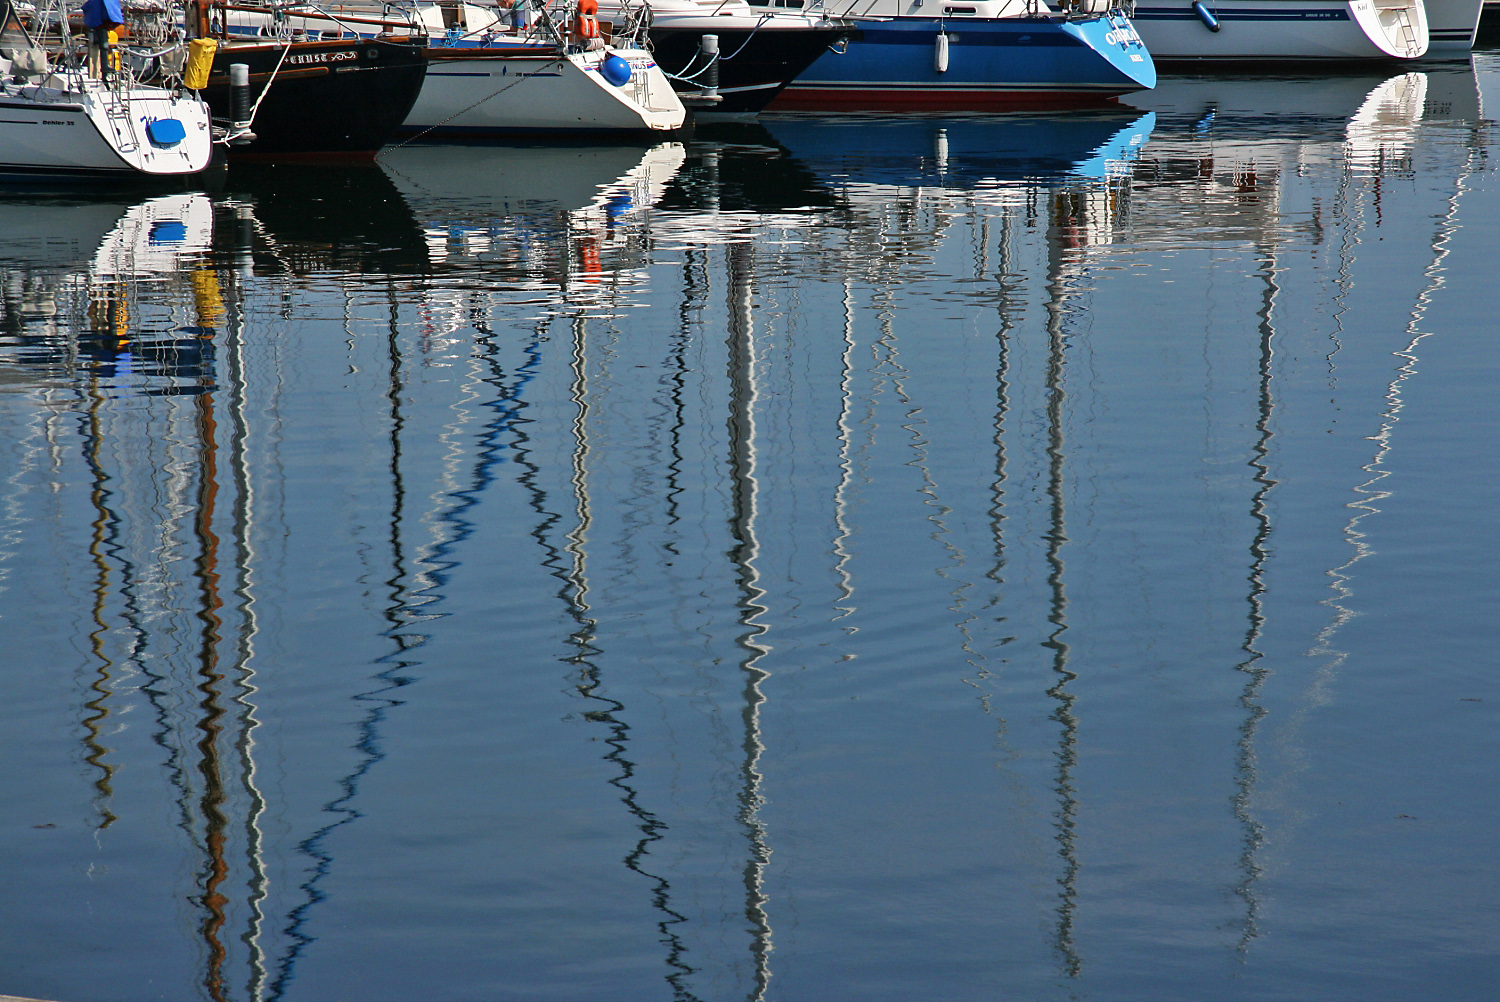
[[994, 64], [763, 63]]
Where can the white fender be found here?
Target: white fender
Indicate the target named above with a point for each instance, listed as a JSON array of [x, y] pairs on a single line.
[[940, 53]]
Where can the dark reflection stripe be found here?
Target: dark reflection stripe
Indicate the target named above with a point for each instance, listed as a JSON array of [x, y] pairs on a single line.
[[1066, 215], [104, 529], [1253, 833], [590, 681], [740, 269]]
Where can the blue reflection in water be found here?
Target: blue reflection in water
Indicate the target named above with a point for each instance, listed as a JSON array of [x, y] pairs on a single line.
[[966, 152], [411, 606]]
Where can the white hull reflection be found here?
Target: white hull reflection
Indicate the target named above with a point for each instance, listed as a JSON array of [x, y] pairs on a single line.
[[554, 218], [1232, 163], [77, 274], [107, 240]]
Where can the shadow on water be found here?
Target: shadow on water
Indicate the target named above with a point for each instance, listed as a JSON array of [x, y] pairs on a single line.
[[304, 219], [742, 168]]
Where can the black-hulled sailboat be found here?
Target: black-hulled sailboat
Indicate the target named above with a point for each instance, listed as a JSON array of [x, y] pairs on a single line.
[[310, 98]]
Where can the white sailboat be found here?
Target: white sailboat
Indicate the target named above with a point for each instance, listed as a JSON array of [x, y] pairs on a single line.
[[60, 122], [488, 75], [543, 89], [1275, 32]]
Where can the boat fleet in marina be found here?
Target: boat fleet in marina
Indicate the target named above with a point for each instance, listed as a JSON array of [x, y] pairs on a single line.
[[155, 87]]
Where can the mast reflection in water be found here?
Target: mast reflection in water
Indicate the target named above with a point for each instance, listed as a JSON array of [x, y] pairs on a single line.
[[874, 557]]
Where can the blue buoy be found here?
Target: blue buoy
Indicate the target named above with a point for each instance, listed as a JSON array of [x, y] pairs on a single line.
[[617, 205], [1205, 15], [165, 132], [615, 70]]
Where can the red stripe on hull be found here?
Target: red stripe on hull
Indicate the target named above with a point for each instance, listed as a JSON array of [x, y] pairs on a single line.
[[837, 99]]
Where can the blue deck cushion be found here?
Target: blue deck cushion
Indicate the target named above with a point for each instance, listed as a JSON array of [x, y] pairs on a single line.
[[166, 132]]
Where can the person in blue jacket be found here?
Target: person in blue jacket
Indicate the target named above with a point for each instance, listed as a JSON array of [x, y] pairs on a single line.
[[100, 18]]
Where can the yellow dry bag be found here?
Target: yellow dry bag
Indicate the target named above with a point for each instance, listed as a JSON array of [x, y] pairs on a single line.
[[200, 60]]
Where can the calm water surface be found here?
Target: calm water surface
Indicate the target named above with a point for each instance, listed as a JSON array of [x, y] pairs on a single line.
[[978, 558]]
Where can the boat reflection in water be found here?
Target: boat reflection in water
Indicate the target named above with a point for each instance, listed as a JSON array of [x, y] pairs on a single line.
[[725, 376], [709, 570], [110, 304], [316, 222], [1237, 172], [75, 271], [191, 505], [924, 176], [544, 219], [965, 152]]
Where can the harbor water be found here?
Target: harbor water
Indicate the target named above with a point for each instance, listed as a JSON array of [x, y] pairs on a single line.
[[881, 558]]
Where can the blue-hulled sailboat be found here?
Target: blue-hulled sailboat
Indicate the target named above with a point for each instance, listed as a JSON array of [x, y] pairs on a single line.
[[976, 55]]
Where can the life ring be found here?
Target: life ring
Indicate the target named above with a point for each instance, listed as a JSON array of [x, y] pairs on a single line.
[[588, 255], [586, 24]]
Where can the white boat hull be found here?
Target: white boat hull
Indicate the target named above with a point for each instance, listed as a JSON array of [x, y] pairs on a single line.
[[1284, 31], [493, 82], [88, 131], [1451, 26], [501, 90]]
